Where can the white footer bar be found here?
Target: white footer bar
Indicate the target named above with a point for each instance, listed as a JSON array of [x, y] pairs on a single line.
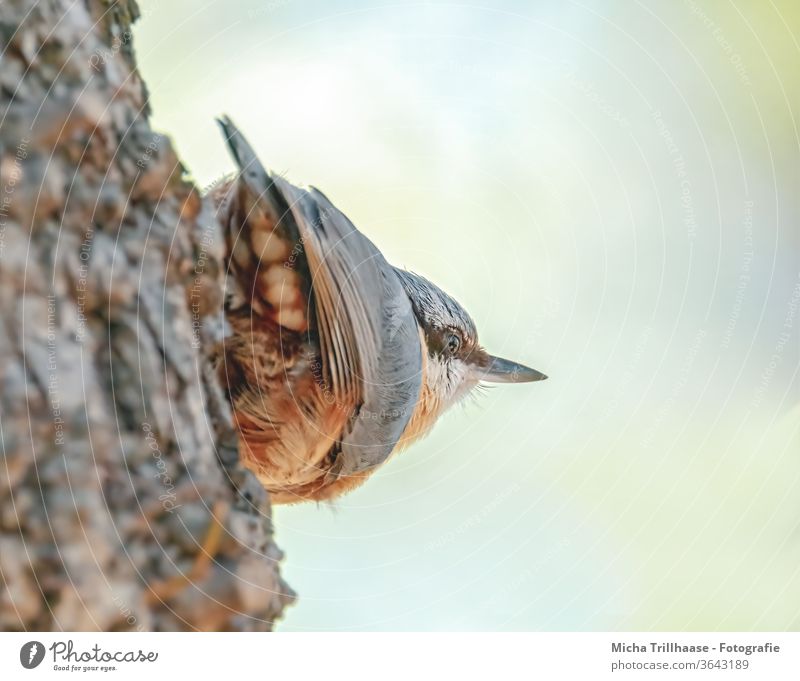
[[385, 657]]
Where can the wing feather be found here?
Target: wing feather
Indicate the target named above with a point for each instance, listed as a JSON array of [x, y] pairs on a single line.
[[367, 335]]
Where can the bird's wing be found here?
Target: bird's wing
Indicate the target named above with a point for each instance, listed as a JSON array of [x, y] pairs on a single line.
[[353, 301]]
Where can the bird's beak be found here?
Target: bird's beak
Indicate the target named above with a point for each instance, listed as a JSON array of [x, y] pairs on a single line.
[[499, 370]]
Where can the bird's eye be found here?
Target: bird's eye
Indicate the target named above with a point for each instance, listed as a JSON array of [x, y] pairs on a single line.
[[453, 344]]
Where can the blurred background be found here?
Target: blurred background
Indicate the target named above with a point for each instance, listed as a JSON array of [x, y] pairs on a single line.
[[612, 190]]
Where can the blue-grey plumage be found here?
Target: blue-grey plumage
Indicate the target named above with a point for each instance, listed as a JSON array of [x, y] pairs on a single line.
[[336, 359]]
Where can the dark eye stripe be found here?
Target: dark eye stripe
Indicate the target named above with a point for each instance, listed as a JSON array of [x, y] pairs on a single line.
[[450, 342]]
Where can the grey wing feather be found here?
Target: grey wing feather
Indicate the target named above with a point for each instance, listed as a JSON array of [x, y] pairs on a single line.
[[368, 334]]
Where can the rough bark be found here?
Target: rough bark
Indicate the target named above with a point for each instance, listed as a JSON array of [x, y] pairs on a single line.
[[122, 502]]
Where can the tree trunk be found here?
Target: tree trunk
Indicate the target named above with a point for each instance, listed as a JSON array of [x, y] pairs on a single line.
[[122, 502]]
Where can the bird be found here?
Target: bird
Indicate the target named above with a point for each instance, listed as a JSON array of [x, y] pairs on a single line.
[[334, 359]]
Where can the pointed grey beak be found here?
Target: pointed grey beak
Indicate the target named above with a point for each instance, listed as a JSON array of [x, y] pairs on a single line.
[[501, 370]]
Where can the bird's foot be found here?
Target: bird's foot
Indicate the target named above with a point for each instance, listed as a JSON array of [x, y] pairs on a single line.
[[167, 589]]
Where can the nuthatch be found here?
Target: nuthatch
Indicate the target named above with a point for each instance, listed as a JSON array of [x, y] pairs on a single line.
[[336, 359]]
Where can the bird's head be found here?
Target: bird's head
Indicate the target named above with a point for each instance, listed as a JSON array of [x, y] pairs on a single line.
[[455, 360]]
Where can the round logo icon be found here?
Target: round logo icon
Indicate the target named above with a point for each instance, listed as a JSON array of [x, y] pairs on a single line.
[[31, 654]]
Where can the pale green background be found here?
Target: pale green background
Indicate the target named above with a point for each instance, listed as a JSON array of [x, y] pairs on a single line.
[[528, 158]]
